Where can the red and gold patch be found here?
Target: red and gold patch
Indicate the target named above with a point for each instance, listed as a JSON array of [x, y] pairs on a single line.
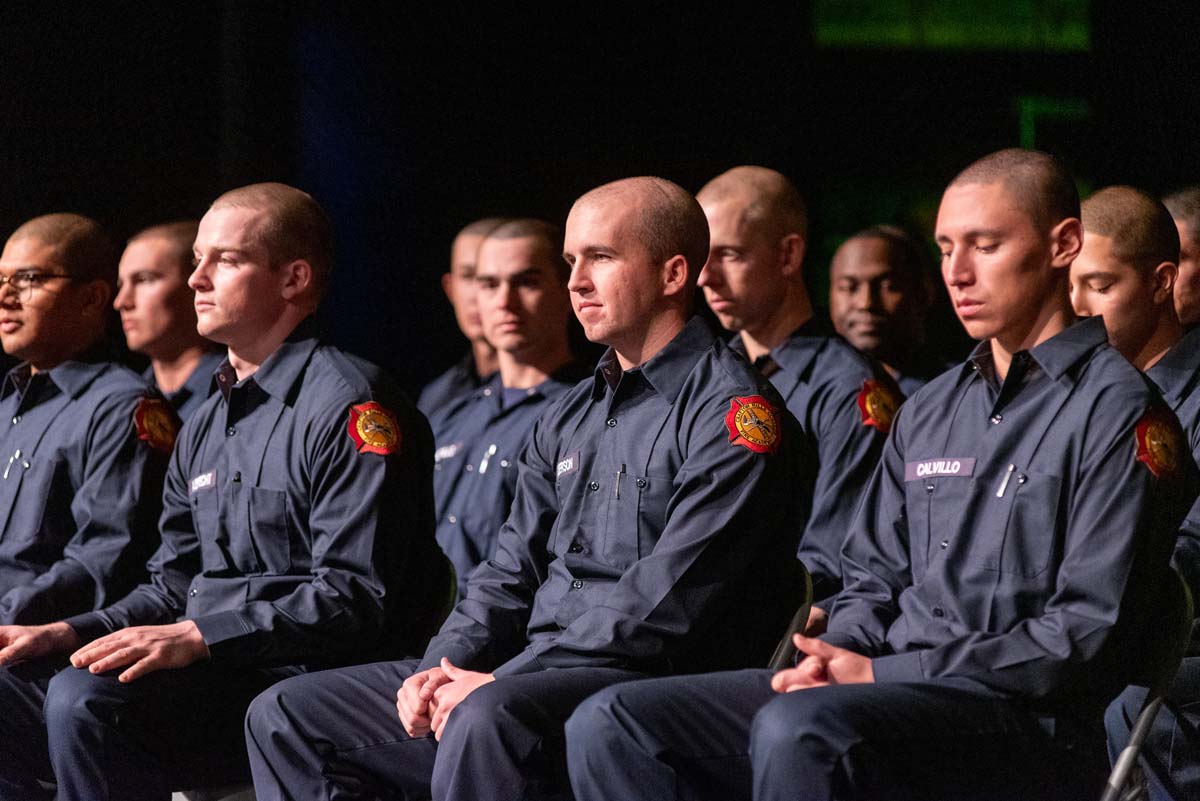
[[754, 424], [373, 429], [1158, 443], [156, 423], [878, 405]]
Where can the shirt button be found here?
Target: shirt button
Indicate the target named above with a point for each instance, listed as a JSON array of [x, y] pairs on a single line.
[[577, 584], [929, 488], [229, 432], [945, 543], [451, 519], [575, 548], [192, 592], [1022, 478], [470, 468], [996, 418], [16, 419], [641, 482], [611, 422], [221, 377], [594, 485], [488, 392], [504, 463], [939, 612]]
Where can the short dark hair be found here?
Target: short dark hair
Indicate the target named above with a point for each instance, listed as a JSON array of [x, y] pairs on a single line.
[[774, 199], [1039, 183], [295, 226], [84, 249], [180, 235], [550, 236], [1140, 227], [908, 255], [1184, 207]]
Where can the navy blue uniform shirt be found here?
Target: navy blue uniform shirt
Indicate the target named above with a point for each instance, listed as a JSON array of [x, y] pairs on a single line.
[[459, 381], [821, 378], [80, 491], [285, 539], [475, 464], [199, 385], [1006, 523], [919, 371], [644, 534]]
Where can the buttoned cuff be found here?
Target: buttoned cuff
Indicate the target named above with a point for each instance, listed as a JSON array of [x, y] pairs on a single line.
[[219, 628], [88, 626], [524, 662], [898, 667]]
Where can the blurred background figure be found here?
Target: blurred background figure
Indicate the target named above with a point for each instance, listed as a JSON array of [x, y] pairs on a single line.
[[1184, 206]]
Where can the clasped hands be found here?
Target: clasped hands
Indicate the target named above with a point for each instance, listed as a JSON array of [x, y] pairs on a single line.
[[822, 665], [426, 699]]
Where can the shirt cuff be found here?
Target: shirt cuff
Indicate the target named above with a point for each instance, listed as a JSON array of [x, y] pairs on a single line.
[[524, 662], [89, 626], [898, 667], [220, 628]]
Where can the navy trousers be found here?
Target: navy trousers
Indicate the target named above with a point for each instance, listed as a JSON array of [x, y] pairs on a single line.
[[98, 739], [1171, 756], [336, 735], [729, 736]]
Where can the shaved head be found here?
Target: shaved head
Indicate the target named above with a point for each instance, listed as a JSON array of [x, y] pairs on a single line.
[[771, 199], [1184, 206], [81, 245], [549, 238], [1037, 181], [180, 235], [670, 221], [1141, 229]]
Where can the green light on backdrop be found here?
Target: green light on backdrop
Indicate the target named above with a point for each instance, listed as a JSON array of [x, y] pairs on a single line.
[[1013, 25]]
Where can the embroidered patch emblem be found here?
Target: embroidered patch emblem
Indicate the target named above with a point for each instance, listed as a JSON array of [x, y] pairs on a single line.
[[878, 405], [753, 423], [156, 424], [373, 429], [1158, 443]]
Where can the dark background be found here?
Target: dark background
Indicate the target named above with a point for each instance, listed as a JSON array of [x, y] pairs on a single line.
[[408, 123]]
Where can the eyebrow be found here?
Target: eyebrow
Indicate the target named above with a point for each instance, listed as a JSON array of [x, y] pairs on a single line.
[[973, 233], [1098, 274]]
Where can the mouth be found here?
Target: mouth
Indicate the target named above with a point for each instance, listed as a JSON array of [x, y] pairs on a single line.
[[586, 305], [719, 304], [127, 324], [203, 305], [8, 325], [967, 307]]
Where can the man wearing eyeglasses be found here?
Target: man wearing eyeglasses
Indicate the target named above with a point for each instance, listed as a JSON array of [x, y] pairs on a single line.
[[83, 441]]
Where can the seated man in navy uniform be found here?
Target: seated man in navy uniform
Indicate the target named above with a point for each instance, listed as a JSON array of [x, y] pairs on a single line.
[[524, 308], [479, 364], [159, 318], [998, 571], [84, 442], [879, 294], [1126, 272], [297, 532], [654, 529], [843, 399], [1184, 206]]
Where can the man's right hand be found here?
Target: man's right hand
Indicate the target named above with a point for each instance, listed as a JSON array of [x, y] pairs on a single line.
[[22, 643], [414, 698]]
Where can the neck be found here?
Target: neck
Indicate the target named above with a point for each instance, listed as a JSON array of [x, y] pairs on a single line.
[[172, 372], [1053, 320], [1166, 334], [247, 357], [525, 370], [48, 361], [795, 310], [656, 336], [486, 361]]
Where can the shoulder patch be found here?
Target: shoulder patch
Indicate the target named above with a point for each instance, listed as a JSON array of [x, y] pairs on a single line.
[[878, 405], [373, 428], [156, 424], [1159, 441], [753, 423]]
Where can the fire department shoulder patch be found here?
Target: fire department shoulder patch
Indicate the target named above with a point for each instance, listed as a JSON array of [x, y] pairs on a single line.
[[753, 423], [1158, 443], [878, 405], [156, 423], [373, 429]]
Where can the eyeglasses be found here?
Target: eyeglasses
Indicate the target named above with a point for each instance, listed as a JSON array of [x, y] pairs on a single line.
[[23, 282]]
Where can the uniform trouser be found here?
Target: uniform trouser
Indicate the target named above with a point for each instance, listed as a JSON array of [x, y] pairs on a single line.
[[337, 735], [1171, 755], [729, 736], [98, 739]]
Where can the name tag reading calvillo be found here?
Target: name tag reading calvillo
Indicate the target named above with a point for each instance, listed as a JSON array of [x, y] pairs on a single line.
[[958, 467]]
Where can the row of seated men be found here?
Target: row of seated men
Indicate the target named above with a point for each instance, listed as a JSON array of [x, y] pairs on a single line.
[[255, 593]]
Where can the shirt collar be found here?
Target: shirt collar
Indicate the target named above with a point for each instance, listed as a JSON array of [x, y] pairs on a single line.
[[801, 347], [72, 376], [1056, 355], [280, 372], [666, 370], [1176, 373]]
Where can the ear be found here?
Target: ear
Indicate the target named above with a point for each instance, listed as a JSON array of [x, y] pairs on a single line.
[[297, 279], [97, 298], [675, 275], [448, 286], [791, 256], [1066, 240], [1164, 282]]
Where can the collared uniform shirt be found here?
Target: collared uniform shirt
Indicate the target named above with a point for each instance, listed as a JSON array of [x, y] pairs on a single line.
[[199, 385], [1010, 525], [80, 492], [919, 371], [643, 534], [283, 541], [821, 377], [458, 382], [475, 465]]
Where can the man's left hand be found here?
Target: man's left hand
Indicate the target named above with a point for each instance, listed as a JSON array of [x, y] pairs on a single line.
[[462, 683], [824, 664], [144, 649]]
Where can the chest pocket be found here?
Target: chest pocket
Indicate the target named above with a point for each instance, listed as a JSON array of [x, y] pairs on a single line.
[[1031, 531], [635, 519], [933, 508], [41, 504], [244, 529]]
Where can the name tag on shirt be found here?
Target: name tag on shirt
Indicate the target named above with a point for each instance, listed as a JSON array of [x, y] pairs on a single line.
[[204, 481], [446, 452], [569, 464], [952, 466]]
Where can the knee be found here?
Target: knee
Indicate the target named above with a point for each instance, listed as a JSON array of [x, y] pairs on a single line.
[[286, 709], [1124, 709], [77, 699], [793, 724], [593, 722]]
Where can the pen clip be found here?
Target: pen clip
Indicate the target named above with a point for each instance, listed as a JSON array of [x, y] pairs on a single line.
[[1004, 483]]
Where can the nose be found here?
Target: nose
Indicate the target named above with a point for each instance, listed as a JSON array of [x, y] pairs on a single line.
[[709, 274], [198, 280], [957, 269], [1079, 301], [579, 281], [508, 295], [8, 294], [124, 298]]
